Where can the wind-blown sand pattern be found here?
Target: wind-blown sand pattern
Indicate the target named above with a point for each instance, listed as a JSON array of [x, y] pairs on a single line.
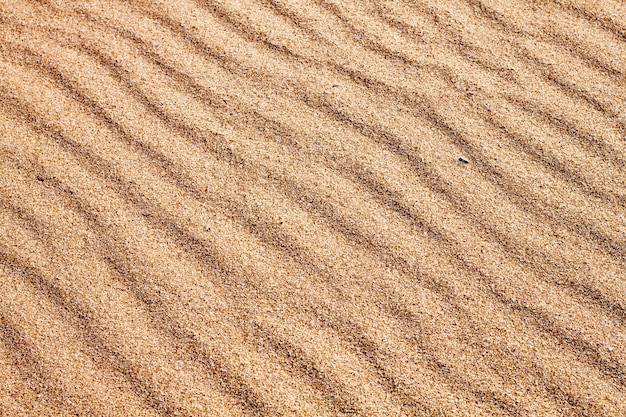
[[313, 208]]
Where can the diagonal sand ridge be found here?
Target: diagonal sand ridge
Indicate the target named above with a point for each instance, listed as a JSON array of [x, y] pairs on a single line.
[[313, 207]]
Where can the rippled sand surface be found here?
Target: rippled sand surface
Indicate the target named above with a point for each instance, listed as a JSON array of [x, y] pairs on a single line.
[[313, 208]]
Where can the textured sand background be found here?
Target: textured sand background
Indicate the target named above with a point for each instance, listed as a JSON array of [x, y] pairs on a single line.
[[313, 207]]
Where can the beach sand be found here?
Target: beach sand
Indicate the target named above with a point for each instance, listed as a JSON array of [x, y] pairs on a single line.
[[313, 208]]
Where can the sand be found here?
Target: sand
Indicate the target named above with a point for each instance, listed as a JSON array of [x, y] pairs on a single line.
[[313, 208]]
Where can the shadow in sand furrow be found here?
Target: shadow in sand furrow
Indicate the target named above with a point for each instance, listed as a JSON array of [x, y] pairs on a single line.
[[283, 243], [161, 114], [26, 360], [293, 358], [568, 87], [519, 194], [186, 84], [546, 157], [103, 169], [581, 52], [495, 18], [180, 335], [81, 318], [516, 250], [245, 31], [271, 237], [590, 232], [199, 249], [502, 406], [466, 50], [26, 112], [182, 339], [539, 154], [363, 38], [585, 351], [300, 362], [560, 170], [227, 18], [293, 17], [586, 140], [609, 25], [523, 54], [583, 291], [201, 252], [168, 70], [178, 127], [186, 242], [367, 82], [507, 26], [26, 218]]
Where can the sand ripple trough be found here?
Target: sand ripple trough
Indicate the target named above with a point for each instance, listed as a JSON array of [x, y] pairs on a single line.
[[312, 208]]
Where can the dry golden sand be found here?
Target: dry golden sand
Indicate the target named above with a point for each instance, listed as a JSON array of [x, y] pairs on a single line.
[[313, 207]]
